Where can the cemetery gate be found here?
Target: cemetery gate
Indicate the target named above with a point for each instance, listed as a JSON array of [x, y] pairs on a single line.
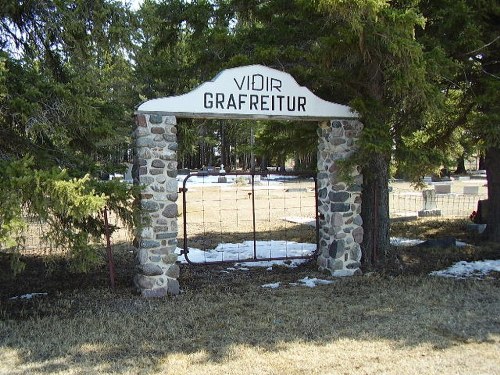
[[241, 217], [248, 92]]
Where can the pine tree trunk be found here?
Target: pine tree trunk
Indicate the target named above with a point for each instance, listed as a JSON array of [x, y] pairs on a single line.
[[375, 212], [461, 165], [482, 163], [492, 161]]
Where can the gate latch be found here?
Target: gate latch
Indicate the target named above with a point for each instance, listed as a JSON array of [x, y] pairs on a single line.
[[183, 190]]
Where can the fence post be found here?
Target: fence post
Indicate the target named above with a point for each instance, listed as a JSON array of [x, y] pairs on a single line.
[[111, 261]]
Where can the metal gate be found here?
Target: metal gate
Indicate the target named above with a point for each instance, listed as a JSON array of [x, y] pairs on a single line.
[[249, 217]]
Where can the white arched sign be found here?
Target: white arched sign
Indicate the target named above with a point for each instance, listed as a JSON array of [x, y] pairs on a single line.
[[253, 91]]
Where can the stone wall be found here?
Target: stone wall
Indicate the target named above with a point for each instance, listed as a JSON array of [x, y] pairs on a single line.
[[341, 230], [155, 169]]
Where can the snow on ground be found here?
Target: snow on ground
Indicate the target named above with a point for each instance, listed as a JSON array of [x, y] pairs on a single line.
[[276, 249], [213, 179], [28, 296], [306, 281], [272, 285], [401, 241], [312, 282], [476, 270], [238, 252], [301, 220]]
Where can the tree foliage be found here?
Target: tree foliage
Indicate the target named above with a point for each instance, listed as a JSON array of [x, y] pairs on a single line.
[[66, 100], [424, 75], [465, 38]]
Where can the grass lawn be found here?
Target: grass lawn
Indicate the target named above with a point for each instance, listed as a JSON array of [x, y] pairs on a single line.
[[400, 321]]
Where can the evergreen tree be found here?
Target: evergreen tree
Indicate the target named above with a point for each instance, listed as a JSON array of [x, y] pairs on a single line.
[[66, 100], [465, 37]]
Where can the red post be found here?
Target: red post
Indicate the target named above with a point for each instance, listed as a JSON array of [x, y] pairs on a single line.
[[111, 262]]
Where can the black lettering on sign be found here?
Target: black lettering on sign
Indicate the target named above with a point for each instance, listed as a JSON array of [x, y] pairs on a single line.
[[219, 100], [230, 102], [275, 84], [280, 102], [241, 83], [207, 100], [264, 106], [258, 82], [254, 100], [301, 106], [241, 100]]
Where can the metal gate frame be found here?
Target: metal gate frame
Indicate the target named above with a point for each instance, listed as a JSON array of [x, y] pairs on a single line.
[[184, 190]]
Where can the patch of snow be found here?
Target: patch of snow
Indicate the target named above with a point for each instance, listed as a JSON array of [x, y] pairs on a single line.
[[28, 296], [401, 241], [306, 281], [312, 282], [463, 269], [213, 180], [301, 220], [271, 285], [242, 251]]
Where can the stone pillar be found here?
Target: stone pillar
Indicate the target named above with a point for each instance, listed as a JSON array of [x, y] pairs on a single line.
[[340, 224], [155, 170]]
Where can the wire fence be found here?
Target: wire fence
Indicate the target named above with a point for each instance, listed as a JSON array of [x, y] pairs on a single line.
[[245, 216], [34, 242], [410, 204], [402, 204]]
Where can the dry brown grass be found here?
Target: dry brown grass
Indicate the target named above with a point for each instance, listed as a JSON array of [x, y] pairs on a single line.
[[363, 325], [228, 324]]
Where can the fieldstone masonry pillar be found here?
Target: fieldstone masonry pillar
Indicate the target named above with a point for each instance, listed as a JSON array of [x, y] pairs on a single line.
[[155, 169], [341, 231]]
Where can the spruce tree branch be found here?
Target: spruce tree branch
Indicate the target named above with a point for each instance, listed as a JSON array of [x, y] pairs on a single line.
[[483, 46]]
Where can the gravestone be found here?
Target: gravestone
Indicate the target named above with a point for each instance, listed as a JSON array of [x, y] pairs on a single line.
[[442, 188], [430, 205], [473, 190]]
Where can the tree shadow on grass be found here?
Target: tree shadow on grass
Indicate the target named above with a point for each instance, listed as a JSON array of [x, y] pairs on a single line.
[[81, 325], [123, 332]]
